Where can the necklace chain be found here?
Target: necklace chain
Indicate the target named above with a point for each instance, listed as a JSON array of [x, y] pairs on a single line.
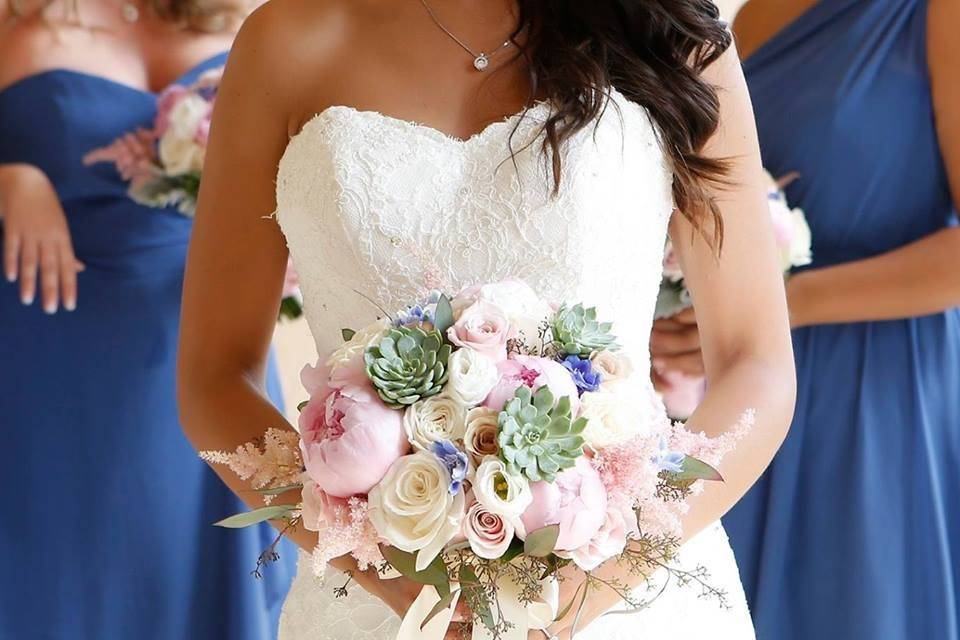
[[481, 60]]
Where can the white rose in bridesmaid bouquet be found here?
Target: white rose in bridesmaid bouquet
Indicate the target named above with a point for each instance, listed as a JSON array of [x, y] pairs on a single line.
[[617, 412], [413, 509], [504, 493], [480, 436], [524, 309], [179, 149], [488, 533], [791, 231], [472, 376], [438, 418]]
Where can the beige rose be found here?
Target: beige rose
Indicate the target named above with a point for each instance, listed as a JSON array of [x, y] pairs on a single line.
[[438, 418]]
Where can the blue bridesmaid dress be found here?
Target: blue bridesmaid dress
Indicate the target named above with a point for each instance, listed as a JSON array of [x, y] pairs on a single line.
[[854, 531], [107, 510]]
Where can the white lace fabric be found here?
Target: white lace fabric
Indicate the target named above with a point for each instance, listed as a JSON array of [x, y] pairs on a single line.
[[379, 211]]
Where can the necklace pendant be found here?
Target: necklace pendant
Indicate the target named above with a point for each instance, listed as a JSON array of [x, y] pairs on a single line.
[[130, 12], [481, 62]]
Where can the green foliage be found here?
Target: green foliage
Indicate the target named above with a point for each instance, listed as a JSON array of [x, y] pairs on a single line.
[[407, 365], [542, 542], [248, 518]]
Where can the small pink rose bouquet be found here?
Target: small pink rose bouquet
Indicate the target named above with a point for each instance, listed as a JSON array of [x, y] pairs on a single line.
[[163, 164], [794, 243], [478, 444]]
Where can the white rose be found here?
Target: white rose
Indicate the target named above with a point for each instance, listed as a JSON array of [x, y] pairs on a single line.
[[412, 507], [524, 309], [504, 493], [358, 344], [801, 245], [438, 418], [611, 366], [472, 376], [617, 412], [178, 149], [480, 436], [488, 533]]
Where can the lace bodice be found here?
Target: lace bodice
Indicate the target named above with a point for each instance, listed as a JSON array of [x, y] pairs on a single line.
[[378, 211]]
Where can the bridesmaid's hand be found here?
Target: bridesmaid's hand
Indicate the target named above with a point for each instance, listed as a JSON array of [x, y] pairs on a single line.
[[675, 346], [36, 235]]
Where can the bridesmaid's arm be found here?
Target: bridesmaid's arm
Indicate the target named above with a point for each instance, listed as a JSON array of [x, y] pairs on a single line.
[[238, 256], [743, 320], [922, 277]]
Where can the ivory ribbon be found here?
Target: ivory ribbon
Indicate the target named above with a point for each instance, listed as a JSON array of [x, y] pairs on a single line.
[[536, 615]]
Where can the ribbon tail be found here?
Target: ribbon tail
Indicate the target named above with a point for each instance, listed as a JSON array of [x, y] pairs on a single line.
[[419, 610]]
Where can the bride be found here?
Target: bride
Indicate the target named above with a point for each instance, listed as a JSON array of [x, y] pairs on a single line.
[[400, 141]]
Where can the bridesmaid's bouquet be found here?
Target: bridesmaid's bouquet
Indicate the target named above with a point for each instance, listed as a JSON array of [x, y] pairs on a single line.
[[794, 243], [479, 444], [163, 164]]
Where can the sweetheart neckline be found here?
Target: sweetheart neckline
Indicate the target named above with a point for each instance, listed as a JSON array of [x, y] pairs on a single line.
[[53, 71]]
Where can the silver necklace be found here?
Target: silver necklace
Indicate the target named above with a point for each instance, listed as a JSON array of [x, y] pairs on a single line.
[[481, 60]]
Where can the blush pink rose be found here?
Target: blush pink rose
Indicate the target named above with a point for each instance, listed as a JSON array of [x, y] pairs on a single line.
[[619, 523], [488, 533], [533, 372], [576, 501], [349, 439], [484, 328], [318, 507]]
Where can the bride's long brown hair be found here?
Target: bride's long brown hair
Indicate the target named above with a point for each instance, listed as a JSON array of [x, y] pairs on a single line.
[[653, 52]]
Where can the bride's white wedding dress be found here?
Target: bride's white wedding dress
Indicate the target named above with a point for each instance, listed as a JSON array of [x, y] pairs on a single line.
[[377, 211]]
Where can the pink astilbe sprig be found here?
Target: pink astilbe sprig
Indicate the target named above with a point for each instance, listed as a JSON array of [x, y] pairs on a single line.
[[347, 529], [271, 461], [134, 154], [711, 450]]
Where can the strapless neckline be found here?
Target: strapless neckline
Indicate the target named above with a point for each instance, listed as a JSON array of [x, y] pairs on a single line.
[[85, 75]]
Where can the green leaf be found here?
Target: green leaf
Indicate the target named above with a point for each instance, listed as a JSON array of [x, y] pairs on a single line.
[[513, 551], [443, 316], [347, 334], [566, 609], [694, 469], [262, 514], [468, 576], [302, 405], [275, 491], [437, 608], [290, 309], [406, 563], [542, 542]]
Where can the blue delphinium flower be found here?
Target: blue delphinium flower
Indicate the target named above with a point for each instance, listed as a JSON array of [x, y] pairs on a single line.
[[420, 313], [583, 373], [454, 460], [667, 460]]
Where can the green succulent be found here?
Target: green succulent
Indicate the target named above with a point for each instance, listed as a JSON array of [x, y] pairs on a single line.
[[408, 364], [577, 331], [537, 438]]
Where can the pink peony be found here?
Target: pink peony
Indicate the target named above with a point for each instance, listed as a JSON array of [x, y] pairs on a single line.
[[683, 394], [576, 501], [484, 328], [671, 264], [535, 373], [349, 439], [619, 522], [318, 508]]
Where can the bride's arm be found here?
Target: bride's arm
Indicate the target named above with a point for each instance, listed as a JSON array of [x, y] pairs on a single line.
[[743, 320], [236, 264]]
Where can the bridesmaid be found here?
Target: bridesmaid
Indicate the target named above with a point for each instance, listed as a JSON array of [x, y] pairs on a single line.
[[854, 531], [107, 511]]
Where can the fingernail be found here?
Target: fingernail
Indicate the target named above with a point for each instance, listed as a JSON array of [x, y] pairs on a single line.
[[11, 277], [50, 308], [70, 305], [27, 299]]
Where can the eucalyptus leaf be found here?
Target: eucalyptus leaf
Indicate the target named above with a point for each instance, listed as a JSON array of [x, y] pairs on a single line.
[[262, 514], [513, 551], [443, 317], [302, 405], [566, 608], [275, 491], [437, 608], [406, 563], [347, 334], [542, 542], [694, 469]]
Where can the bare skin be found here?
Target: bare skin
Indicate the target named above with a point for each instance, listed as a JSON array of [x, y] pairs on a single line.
[[914, 280], [147, 55], [389, 57]]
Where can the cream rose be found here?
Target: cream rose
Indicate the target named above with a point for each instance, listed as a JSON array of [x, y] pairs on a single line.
[[412, 507], [355, 347], [441, 417], [500, 491], [472, 376], [488, 533], [619, 411], [611, 366], [480, 436], [178, 149]]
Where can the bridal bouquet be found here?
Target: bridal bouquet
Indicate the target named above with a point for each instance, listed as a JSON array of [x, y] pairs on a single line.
[[163, 164], [479, 444], [793, 238]]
